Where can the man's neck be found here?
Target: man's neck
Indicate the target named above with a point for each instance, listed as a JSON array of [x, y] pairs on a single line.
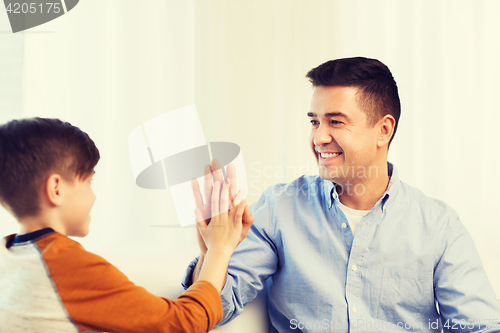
[[363, 195]]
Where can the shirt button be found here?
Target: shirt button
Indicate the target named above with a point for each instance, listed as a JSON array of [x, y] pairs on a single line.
[[344, 225], [354, 309], [354, 267]]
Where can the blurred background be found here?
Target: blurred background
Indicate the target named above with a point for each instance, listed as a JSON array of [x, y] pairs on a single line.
[[110, 65]]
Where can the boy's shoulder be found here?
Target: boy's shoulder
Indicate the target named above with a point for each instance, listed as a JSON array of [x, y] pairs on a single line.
[[57, 245], [72, 265], [68, 263], [48, 272]]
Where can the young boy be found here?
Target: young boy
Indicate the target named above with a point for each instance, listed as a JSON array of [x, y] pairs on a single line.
[[49, 283]]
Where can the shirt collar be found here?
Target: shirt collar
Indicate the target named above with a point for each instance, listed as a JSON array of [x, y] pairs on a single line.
[[31, 236], [331, 192]]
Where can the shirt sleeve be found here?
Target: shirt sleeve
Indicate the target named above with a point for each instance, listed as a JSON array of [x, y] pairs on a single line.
[[254, 260], [187, 280], [98, 297], [466, 300]]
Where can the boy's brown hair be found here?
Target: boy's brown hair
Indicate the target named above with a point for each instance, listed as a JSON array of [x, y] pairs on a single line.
[[33, 149]]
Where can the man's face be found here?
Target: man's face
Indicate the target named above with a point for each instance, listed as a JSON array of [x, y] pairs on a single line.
[[342, 141], [78, 200]]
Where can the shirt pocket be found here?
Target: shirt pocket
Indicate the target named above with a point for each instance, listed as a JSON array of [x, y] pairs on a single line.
[[405, 295]]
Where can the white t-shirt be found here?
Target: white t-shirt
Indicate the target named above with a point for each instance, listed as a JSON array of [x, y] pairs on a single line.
[[353, 216]]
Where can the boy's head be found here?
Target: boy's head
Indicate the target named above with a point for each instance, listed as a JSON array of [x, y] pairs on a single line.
[[38, 158]]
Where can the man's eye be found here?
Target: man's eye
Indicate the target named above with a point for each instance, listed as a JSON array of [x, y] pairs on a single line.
[[314, 122], [336, 122]]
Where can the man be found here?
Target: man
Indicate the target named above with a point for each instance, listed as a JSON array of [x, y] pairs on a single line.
[[356, 249]]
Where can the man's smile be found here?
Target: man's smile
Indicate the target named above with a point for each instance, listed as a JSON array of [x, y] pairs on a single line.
[[329, 156]]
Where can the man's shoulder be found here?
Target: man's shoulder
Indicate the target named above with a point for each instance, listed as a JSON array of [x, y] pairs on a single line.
[[428, 206]]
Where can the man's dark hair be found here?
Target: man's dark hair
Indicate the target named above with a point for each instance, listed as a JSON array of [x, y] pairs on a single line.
[[33, 149], [377, 89]]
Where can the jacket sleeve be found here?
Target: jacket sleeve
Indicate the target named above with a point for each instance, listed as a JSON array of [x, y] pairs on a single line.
[[98, 297]]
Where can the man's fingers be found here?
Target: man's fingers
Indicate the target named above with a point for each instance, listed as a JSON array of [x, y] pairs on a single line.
[[239, 213], [202, 226], [198, 199], [247, 223], [200, 222], [247, 216]]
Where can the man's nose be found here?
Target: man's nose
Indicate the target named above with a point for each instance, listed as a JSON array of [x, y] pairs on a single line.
[[322, 137]]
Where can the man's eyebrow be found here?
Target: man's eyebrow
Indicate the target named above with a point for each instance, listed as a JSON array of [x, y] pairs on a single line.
[[329, 114]]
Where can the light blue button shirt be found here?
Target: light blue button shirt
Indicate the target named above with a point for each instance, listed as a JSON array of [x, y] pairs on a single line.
[[409, 252]]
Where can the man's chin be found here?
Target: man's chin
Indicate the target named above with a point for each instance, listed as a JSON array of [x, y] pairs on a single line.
[[329, 173]]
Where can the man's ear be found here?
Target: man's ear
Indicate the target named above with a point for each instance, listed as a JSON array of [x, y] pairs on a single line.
[[386, 130], [53, 189]]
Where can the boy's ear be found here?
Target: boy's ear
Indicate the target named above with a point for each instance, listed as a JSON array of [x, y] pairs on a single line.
[[53, 189]]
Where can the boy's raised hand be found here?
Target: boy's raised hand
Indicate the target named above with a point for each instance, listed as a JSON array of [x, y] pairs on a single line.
[[225, 228], [204, 211]]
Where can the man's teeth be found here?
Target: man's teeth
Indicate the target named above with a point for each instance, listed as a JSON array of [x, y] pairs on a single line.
[[328, 155]]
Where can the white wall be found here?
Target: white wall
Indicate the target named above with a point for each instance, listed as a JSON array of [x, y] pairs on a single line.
[[108, 66]]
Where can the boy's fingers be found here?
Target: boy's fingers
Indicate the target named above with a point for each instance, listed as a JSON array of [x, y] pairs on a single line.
[[215, 199], [231, 175], [208, 184], [198, 200], [239, 197], [199, 216], [224, 199], [232, 212], [216, 171]]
